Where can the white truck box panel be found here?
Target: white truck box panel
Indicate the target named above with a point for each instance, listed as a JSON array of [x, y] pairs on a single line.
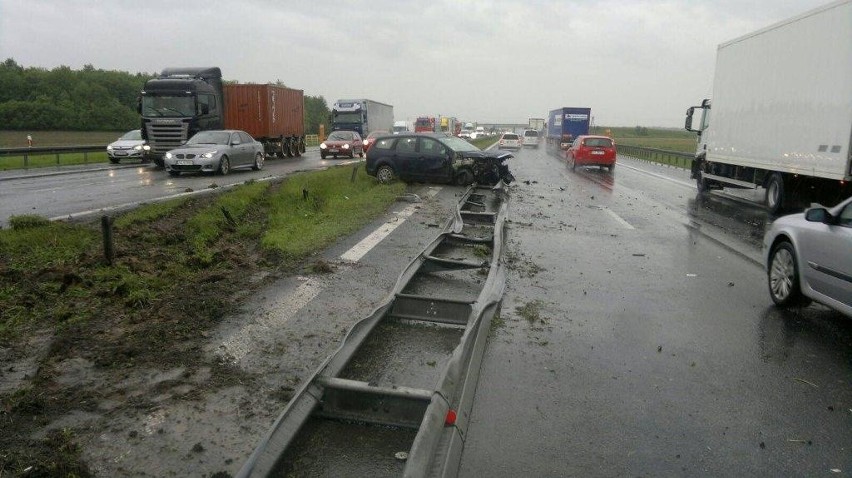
[[782, 96]]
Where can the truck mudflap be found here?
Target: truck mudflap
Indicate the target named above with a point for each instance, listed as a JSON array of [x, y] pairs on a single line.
[[395, 399]]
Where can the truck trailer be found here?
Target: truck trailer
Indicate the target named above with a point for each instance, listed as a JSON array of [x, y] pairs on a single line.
[[781, 112], [363, 116], [183, 101], [537, 124], [565, 124]]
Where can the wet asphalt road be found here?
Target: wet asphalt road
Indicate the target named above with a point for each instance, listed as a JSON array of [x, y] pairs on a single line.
[[656, 351], [90, 189]]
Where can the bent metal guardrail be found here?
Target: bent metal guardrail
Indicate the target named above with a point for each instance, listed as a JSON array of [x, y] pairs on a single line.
[[395, 385]]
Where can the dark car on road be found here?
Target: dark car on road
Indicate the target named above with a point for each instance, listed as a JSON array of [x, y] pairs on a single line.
[[342, 143], [435, 157]]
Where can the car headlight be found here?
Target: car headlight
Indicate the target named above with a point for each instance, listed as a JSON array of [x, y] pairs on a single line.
[[366, 142], [168, 155], [138, 147], [146, 147], [208, 155], [345, 146], [323, 146], [109, 148]]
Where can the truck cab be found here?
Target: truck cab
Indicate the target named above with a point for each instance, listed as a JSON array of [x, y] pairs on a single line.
[[178, 104], [349, 115]]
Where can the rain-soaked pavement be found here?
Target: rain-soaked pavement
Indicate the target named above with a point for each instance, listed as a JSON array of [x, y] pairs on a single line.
[[638, 339]]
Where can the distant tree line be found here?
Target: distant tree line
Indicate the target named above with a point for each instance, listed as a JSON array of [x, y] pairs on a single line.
[[37, 99]]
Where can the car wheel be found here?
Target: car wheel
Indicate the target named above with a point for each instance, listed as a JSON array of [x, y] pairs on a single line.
[[776, 200], [258, 162], [174, 173], [783, 277], [611, 167], [322, 155], [224, 166], [361, 154], [573, 164], [385, 174], [464, 177], [351, 154]]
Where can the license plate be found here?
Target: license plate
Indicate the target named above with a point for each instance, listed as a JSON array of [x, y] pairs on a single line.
[[120, 153], [333, 151], [184, 162], [597, 152]]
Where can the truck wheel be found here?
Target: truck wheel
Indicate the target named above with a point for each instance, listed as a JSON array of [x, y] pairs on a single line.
[[297, 149], [776, 198], [385, 174], [224, 166], [291, 149], [258, 162], [302, 145], [279, 152], [701, 182], [783, 277]]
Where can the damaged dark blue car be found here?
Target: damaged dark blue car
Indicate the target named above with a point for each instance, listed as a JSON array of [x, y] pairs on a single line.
[[435, 157]]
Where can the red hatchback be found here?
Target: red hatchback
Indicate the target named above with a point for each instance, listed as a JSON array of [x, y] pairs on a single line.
[[592, 151], [371, 138]]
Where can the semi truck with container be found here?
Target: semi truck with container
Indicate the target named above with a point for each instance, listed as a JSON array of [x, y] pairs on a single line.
[[537, 124], [362, 116], [781, 112], [183, 101], [565, 124]]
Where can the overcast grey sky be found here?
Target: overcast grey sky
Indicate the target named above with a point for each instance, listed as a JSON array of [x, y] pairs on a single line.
[[634, 62]]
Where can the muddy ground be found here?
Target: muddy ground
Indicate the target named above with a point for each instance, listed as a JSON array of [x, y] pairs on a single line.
[[186, 385]]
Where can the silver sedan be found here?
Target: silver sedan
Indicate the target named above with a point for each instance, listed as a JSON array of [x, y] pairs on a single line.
[[808, 256], [215, 151]]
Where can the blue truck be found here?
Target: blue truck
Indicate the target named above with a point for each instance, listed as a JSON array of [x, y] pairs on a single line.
[[362, 115], [565, 124]]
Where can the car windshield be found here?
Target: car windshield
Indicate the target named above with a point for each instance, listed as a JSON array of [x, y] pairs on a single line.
[[210, 137], [457, 144], [340, 136], [598, 142], [347, 117], [132, 135]]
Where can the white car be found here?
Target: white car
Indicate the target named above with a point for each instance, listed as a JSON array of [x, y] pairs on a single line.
[[531, 138], [129, 146], [808, 256], [509, 141]]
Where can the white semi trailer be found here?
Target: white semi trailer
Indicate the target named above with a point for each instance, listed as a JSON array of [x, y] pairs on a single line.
[[781, 112]]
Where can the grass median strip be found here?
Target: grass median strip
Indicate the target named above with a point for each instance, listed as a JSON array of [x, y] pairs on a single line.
[[180, 267]]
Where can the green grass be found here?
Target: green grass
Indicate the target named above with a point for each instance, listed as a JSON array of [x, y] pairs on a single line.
[[18, 139], [48, 160], [53, 274], [657, 138], [484, 142], [334, 207]]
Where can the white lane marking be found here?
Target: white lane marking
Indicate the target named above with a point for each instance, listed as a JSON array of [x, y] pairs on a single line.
[[617, 218], [660, 176], [365, 245], [271, 316]]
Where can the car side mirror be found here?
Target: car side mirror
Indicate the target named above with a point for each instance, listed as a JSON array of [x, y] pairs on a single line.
[[818, 214]]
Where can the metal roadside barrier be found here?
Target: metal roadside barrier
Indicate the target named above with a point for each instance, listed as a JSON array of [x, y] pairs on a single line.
[[662, 156], [466, 256], [26, 152]]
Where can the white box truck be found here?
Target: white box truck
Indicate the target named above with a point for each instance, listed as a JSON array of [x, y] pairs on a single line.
[[781, 112]]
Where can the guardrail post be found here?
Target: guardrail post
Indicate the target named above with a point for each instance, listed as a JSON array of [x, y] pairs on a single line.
[[109, 246], [85, 157], [57, 159]]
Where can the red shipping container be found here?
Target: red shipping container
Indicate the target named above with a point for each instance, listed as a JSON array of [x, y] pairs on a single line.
[[264, 111]]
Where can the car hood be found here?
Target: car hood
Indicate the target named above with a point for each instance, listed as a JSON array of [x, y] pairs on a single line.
[[338, 142], [489, 154], [198, 149], [126, 143]]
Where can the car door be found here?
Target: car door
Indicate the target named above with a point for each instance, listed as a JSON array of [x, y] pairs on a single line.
[[250, 147], [238, 151], [826, 256], [433, 162], [405, 157]]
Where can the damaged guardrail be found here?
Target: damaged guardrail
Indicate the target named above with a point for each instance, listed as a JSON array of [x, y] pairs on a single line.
[[392, 416]]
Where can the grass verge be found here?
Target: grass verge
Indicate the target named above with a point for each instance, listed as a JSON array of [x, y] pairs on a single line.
[[179, 268]]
